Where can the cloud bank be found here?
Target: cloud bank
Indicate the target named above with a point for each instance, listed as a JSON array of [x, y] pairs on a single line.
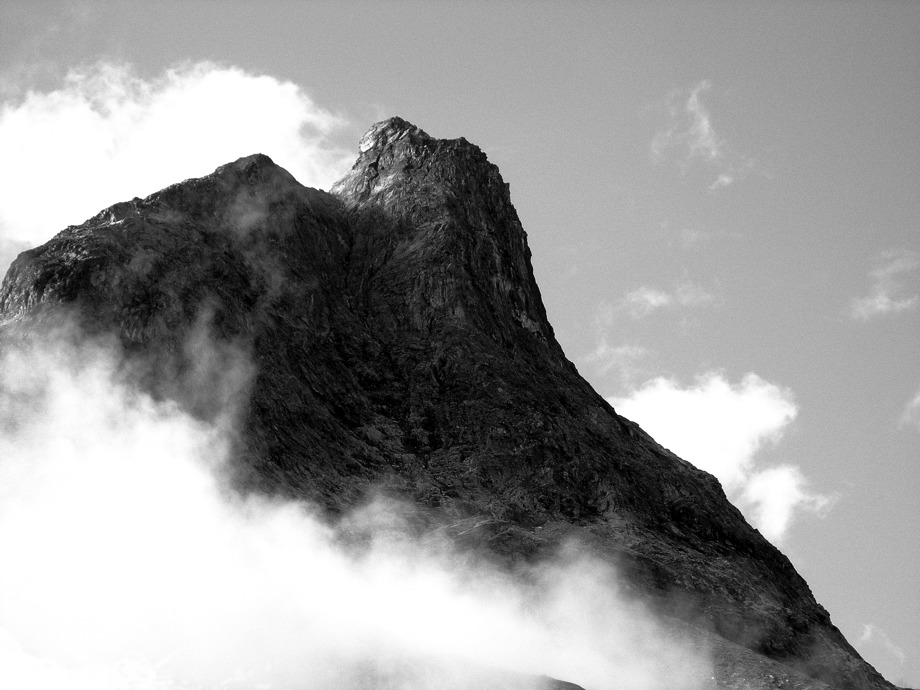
[[108, 135], [720, 427], [129, 564]]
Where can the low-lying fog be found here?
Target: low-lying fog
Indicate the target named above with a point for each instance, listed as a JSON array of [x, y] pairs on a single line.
[[127, 563]]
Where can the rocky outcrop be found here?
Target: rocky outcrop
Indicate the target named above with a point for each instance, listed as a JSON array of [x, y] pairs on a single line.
[[401, 345]]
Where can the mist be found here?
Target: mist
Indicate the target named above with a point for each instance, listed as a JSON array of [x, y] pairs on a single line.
[[129, 562]]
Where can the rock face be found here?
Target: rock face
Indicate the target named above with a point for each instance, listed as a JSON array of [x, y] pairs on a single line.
[[401, 344]]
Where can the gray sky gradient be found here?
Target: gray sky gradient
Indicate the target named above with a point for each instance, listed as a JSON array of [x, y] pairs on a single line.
[[722, 200]]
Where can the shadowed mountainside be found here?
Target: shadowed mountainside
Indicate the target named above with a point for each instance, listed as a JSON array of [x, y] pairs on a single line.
[[401, 345]]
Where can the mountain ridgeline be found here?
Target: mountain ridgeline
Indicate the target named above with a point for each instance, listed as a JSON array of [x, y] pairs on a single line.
[[401, 345]]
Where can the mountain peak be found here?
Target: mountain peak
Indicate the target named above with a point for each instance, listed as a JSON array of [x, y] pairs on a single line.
[[402, 343], [255, 161], [253, 169], [388, 131], [452, 232], [396, 158]]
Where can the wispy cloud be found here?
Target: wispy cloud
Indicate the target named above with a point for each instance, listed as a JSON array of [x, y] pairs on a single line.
[[691, 238], [645, 300], [626, 362], [689, 137], [872, 635], [623, 361], [723, 180], [720, 427], [107, 134], [910, 417], [888, 293], [702, 139], [691, 129], [689, 294], [679, 235]]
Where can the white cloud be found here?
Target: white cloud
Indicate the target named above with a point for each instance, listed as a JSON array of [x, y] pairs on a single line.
[[107, 135], [738, 420], [720, 427], [886, 295], [775, 494]]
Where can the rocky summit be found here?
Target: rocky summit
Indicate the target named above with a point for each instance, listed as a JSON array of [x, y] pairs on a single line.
[[401, 346]]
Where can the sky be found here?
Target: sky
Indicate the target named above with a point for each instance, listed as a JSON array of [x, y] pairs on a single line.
[[722, 201]]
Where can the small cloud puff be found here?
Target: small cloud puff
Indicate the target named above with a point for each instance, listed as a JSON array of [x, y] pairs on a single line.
[[720, 427], [886, 295]]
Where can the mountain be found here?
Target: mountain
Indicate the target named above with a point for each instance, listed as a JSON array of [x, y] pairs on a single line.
[[401, 346]]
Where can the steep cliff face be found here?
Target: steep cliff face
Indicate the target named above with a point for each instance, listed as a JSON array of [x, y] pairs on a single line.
[[401, 344]]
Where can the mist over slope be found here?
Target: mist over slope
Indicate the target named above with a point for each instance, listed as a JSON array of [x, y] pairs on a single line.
[[128, 563], [388, 340]]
